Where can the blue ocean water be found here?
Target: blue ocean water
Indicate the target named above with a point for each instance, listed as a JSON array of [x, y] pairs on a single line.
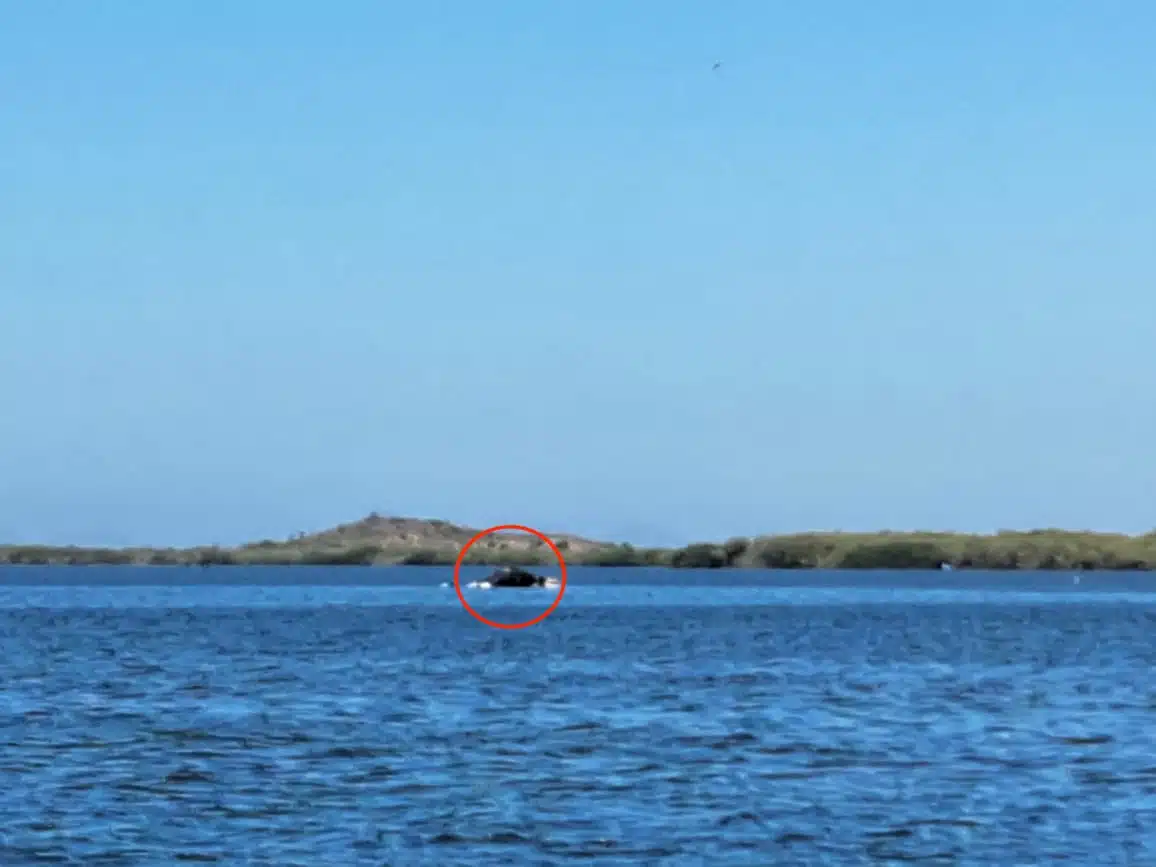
[[655, 718]]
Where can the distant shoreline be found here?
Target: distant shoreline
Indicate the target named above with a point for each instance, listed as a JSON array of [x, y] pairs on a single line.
[[382, 541]]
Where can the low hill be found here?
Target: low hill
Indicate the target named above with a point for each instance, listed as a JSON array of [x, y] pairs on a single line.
[[417, 541], [373, 540]]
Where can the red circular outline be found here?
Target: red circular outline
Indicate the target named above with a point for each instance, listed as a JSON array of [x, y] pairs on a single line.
[[494, 623]]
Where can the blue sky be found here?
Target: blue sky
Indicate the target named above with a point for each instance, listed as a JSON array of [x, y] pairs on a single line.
[[268, 266]]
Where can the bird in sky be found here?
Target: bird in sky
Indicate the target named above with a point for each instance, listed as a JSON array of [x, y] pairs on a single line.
[[717, 64]]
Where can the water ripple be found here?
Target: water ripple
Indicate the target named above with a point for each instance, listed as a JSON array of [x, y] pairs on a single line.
[[966, 734]]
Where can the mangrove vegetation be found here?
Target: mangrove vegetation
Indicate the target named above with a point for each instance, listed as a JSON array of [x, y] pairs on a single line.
[[417, 542]]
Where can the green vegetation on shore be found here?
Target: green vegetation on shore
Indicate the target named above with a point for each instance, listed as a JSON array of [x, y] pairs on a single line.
[[408, 541]]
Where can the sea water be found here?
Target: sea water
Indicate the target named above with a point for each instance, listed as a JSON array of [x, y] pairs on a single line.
[[663, 718]]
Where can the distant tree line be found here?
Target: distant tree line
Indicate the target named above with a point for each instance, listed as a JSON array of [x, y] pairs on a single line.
[[1040, 549]]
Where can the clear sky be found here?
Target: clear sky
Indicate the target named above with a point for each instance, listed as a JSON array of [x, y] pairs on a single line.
[[268, 266]]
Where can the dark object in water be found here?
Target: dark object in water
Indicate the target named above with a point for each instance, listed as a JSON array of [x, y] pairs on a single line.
[[512, 576]]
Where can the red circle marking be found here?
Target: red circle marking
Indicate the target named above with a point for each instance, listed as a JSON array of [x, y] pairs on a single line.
[[494, 623]]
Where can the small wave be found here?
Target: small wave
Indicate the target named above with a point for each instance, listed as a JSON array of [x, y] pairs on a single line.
[[449, 838], [1085, 741], [188, 775]]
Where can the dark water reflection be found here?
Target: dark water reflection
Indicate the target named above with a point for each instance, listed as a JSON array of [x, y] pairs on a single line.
[[326, 726]]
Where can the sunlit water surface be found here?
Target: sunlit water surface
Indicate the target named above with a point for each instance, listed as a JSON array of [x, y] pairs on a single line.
[[650, 719]]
